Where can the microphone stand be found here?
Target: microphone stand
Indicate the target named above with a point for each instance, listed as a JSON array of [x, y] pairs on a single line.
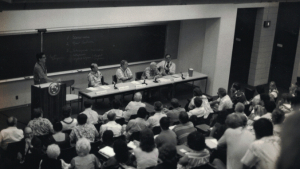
[[155, 81], [182, 76], [115, 87], [145, 81]]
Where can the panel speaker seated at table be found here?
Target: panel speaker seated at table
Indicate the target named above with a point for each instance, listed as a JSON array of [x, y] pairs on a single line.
[[123, 73], [167, 67], [95, 77], [151, 72]]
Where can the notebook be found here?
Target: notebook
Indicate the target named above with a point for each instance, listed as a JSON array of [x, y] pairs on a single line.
[[108, 151]]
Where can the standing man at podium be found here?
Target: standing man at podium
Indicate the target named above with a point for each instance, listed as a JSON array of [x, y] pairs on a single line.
[[40, 70], [167, 67], [123, 74]]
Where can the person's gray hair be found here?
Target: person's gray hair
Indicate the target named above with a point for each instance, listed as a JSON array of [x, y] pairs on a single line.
[[239, 107], [83, 147], [153, 63], [53, 151], [138, 97]]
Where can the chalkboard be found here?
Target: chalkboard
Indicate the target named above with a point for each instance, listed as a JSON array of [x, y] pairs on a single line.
[[17, 55], [73, 50]]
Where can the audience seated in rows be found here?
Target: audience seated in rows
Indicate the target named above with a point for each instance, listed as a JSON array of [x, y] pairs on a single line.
[[40, 126], [92, 116], [154, 120], [51, 161], [166, 136], [183, 129], [173, 113], [146, 153], [223, 102], [116, 109], [138, 124], [205, 104], [84, 160], [133, 106], [68, 123], [111, 125], [167, 154], [11, 134], [83, 129], [198, 110], [59, 138], [199, 155]]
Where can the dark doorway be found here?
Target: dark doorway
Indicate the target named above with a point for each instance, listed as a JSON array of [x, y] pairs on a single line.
[[242, 46], [285, 44]]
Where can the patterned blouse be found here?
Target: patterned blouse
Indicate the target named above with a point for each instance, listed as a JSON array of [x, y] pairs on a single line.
[[94, 79], [40, 126], [87, 130]]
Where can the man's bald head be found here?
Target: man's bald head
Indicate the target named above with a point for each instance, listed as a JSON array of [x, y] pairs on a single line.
[[111, 116], [138, 97], [11, 121], [28, 132]]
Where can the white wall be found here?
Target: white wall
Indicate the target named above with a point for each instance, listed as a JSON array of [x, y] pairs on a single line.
[[219, 35]]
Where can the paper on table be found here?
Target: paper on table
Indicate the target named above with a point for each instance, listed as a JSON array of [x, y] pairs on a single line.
[[164, 80], [131, 145], [123, 88], [107, 151], [177, 79], [155, 136], [175, 76], [101, 92], [105, 87], [92, 88], [140, 85], [135, 82], [212, 143]]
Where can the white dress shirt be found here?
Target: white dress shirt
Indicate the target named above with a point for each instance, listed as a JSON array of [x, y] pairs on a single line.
[[154, 120], [92, 116], [10, 135], [163, 64], [224, 103], [132, 108], [113, 126]]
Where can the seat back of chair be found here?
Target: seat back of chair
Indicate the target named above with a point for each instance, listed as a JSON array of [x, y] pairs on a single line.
[[122, 137], [94, 147], [97, 126], [120, 121], [13, 149], [69, 83], [134, 116], [138, 75]]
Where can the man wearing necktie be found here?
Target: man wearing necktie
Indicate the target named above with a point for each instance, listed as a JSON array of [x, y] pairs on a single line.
[[166, 66]]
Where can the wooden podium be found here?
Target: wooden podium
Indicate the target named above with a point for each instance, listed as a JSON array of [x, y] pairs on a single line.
[[51, 105]]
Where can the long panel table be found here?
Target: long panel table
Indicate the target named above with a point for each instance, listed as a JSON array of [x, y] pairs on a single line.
[[134, 86]]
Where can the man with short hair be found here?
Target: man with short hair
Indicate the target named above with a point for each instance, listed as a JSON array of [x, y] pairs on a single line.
[[91, 114], [39, 125], [111, 125], [11, 134], [166, 136], [264, 151], [224, 100], [198, 110], [173, 114], [139, 123], [123, 73], [133, 106], [183, 129], [154, 120], [151, 72], [167, 67], [40, 70], [95, 76], [68, 122]]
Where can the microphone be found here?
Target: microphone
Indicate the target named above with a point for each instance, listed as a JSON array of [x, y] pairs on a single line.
[[182, 76], [155, 81], [145, 81], [115, 85]]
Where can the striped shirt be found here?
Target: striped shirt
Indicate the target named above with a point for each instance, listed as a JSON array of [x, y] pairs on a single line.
[[182, 131]]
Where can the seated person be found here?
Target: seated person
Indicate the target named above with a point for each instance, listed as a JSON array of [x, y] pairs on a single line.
[[51, 161], [122, 155], [111, 125], [83, 130], [168, 156], [84, 159], [146, 153], [151, 72], [237, 95], [256, 99], [107, 139], [133, 106], [154, 120], [40, 126], [199, 155], [273, 92], [68, 122], [264, 151], [139, 123], [59, 138], [239, 108], [173, 114], [33, 153], [198, 93], [116, 109], [277, 119], [167, 67], [92, 116], [285, 103], [11, 134], [223, 102], [184, 128], [123, 73], [166, 136], [95, 77], [198, 110]]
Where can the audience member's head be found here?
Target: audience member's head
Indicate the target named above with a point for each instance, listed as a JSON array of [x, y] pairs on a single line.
[[57, 127], [197, 102], [263, 127], [158, 106], [244, 119], [28, 133], [277, 116], [164, 123], [168, 58], [236, 86], [81, 118], [196, 141], [239, 108], [260, 89], [66, 111], [39, 56], [12, 121], [137, 97], [234, 120], [183, 117], [53, 151], [270, 106], [142, 112], [87, 104], [194, 119], [167, 153], [116, 104], [222, 92], [272, 85], [264, 97], [124, 64], [121, 151], [197, 92], [111, 116], [147, 143], [108, 137], [286, 98], [175, 103], [83, 147], [37, 112]]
